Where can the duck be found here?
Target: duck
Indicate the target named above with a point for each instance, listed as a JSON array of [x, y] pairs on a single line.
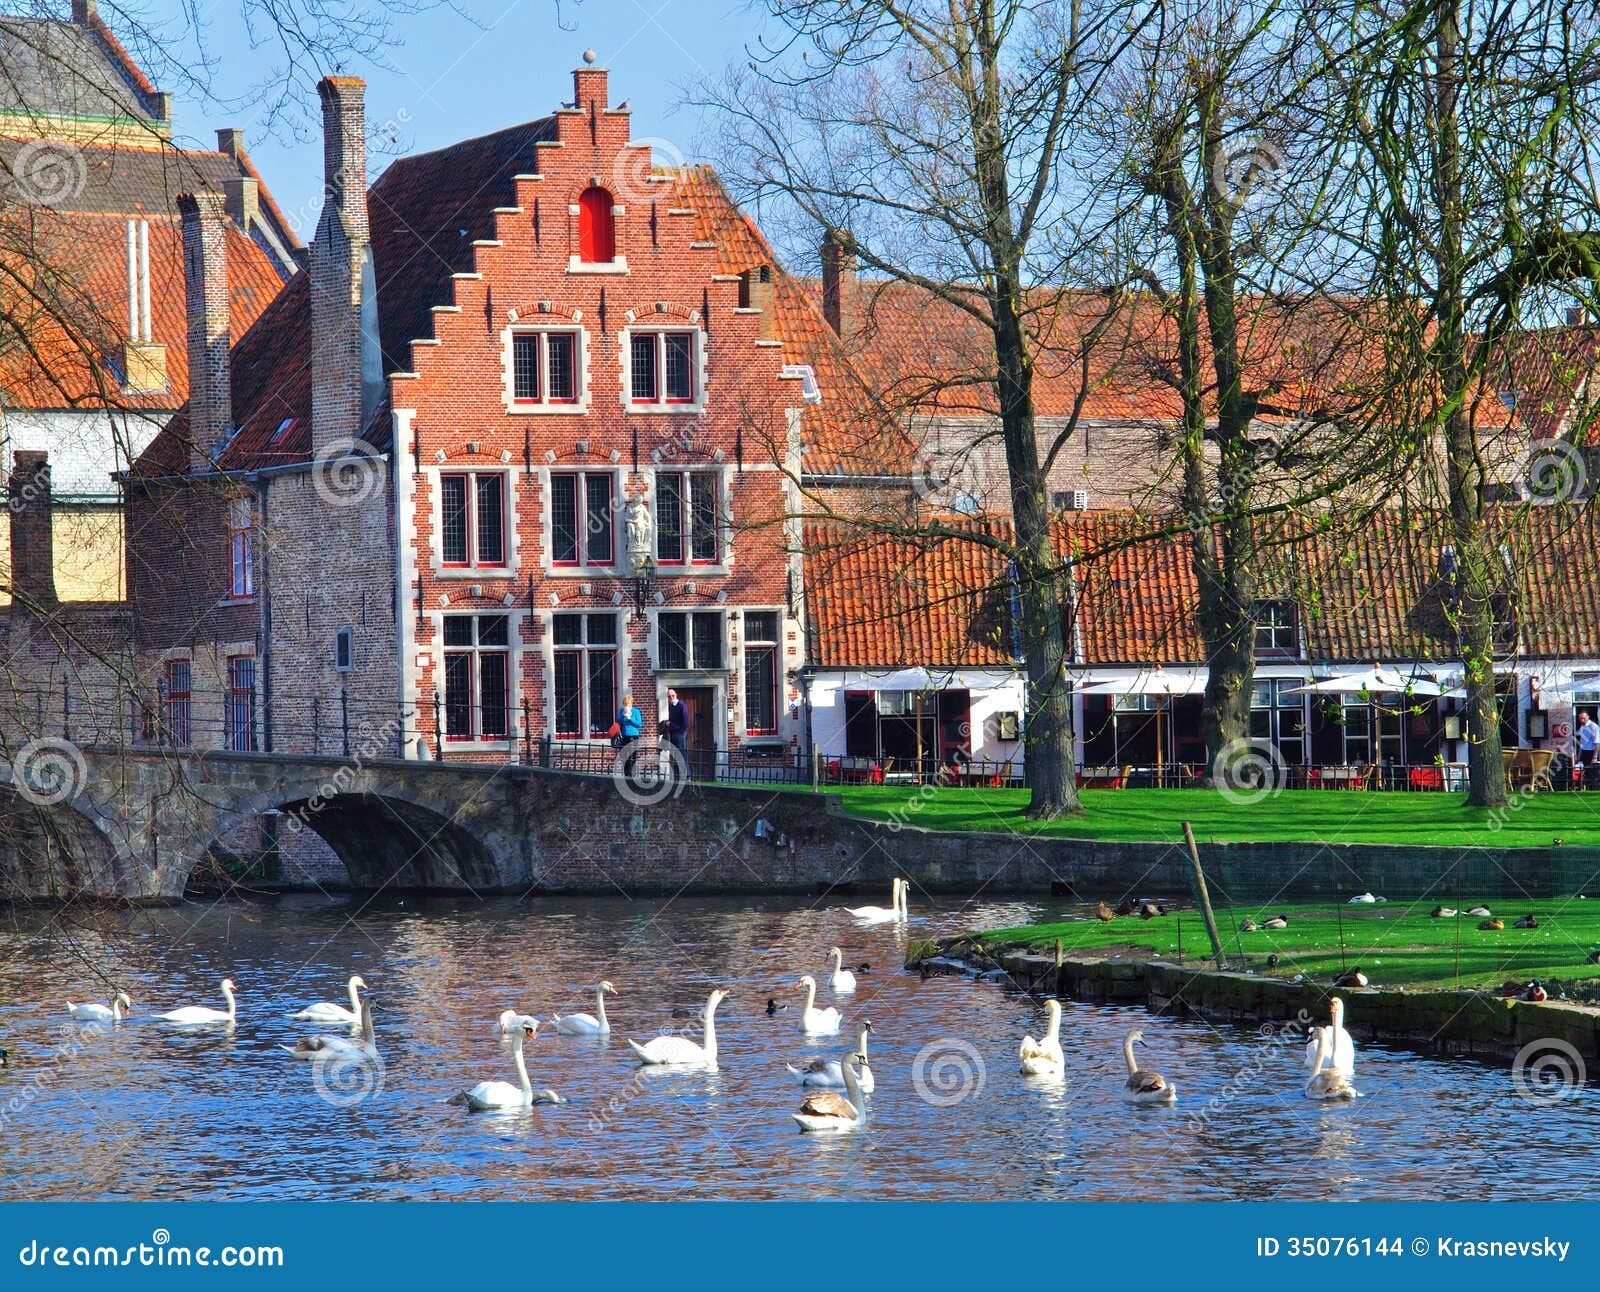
[[1272, 960], [1526, 922], [1044, 1058], [191, 1014], [1143, 1087], [1535, 991], [814, 1021], [1479, 912], [829, 1073], [1328, 1083], [1594, 956], [825, 1111], [111, 1013], [1362, 899], [1444, 912], [841, 979], [773, 1007], [327, 1011], [1248, 926], [4, 1058], [1352, 977], [680, 1050], [1150, 910], [587, 1024], [1276, 922], [327, 1045], [488, 1096], [1342, 1051], [863, 967], [1104, 913], [1127, 906], [896, 910], [1491, 925]]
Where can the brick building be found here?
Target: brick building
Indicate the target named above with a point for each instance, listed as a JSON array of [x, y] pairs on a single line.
[[520, 439]]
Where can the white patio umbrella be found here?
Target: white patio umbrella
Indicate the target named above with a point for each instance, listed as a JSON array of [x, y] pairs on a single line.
[[1372, 681], [1157, 682]]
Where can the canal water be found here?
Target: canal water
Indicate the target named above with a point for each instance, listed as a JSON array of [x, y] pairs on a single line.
[[146, 1110]]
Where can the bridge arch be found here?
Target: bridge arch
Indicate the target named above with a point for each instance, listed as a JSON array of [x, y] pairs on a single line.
[[61, 850]]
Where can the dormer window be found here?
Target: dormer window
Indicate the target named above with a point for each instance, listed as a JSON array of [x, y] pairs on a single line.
[[1277, 632], [597, 232]]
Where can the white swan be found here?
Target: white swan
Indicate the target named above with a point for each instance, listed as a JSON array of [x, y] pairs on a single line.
[[1144, 1087], [327, 1045], [487, 1096], [587, 1024], [327, 1011], [1326, 1082], [882, 914], [1043, 1058], [826, 1111], [814, 1021], [1342, 1058], [841, 979], [111, 1013], [829, 1073], [680, 1049], [506, 1024], [204, 1013]]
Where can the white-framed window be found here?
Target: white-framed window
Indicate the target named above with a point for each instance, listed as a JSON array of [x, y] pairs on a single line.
[[690, 639], [546, 368], [585, 673], [1277, 628], [344, 649], [477, 677], [763, 659], [663, 367], [472, 519], [688, 511], [241, 550], [582, 518]]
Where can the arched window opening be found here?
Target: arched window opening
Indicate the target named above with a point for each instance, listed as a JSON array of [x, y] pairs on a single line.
[[597, 234]]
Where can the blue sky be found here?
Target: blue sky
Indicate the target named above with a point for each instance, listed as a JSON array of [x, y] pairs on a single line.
[[451, 79]]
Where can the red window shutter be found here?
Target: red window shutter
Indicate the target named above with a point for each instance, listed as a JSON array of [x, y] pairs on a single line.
[[597, 235]]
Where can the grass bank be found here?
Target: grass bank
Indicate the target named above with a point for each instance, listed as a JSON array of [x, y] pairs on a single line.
[[1394, 945], [1319, 816]]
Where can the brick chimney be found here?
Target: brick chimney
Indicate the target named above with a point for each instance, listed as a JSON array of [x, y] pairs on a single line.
[[33, 561], [757, 291], [589, 90], [343, 302], [839, 290], [205, 279], [83, 12]]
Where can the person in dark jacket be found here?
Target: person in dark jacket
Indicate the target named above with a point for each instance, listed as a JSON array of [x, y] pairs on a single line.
[[677, 722]]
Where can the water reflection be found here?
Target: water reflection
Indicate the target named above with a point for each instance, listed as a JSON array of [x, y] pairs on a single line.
[[145, 1110]]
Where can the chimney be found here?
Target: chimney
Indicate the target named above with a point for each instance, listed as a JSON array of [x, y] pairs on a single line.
[[1575, 316], [230, 140], [33, 562], [589, 91], [83, 12], [839, 282], [242, 194], [205, 278], [144, 359], [756, 292], [343, 314]]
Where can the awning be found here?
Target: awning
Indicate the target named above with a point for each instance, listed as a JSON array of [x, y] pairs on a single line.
[[1155, 681], [924, 679], [1372, 681]]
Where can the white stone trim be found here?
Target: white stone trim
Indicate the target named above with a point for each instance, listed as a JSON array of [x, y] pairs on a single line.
[[662, 323], [539, 323], [618, 265], [516, 649], [619, 557], [430, 474]]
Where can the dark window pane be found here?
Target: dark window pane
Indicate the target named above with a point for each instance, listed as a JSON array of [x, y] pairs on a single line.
[[564, 519], [602, 690], [761, 688], [672, 646], [569, 693], [525, 366], [669, 518], [491, 520], [458, 695], [708, 641], [602, 630], [567, 629], [494, 695], [453, 519], [680, 366], [703, 515], [492, 630], [643, 368], [458, 630], [597, 501], [562, 375], [761, 626], [860, 724]]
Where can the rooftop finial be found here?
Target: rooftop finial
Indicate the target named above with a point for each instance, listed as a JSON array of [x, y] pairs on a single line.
[[589, 56]]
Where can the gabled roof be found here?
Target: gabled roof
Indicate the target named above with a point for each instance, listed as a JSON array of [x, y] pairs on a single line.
[[52, 70]]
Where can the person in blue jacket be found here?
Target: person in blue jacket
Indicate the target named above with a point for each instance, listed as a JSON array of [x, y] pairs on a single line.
[[630, 722]]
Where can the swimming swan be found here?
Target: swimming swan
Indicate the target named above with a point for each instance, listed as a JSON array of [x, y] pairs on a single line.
[[327, 1045], [1343, 1056], [826, 1111], [1144, 1087], [680, 1049], [487, 1096], [204, 1013], [829, 1073], [814, 1021], [326, 1011], [587, 1024], [883, 914], [1326, 1082], [1043, 1058], [841, 979], [111, 1013]]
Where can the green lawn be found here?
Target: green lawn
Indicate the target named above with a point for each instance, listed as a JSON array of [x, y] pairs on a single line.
[[1330, 816], [1393, 944]]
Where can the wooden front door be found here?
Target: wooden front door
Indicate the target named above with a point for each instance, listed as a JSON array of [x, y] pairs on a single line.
[[701, 702]]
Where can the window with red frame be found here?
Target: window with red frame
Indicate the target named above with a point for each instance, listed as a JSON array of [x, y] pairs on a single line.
[[472, 520], [687, 515], [761, 672], [661, 367], [241, 550], [585, 673], [177, 725], [582, 518], [241, 711], [597, 231], [477, 677], [544, 368]]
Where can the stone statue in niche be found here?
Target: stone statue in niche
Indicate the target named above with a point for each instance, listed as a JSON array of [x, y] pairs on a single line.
[[640, 532]]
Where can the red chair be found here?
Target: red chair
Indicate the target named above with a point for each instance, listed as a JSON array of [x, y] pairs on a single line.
[[1426, 778]]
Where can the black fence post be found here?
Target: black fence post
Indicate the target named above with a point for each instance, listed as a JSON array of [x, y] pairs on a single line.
[[438, 728], [527, 732], [344, 719], [545, 747]]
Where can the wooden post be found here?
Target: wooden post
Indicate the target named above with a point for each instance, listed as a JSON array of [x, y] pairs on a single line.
[[1203, 896]]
